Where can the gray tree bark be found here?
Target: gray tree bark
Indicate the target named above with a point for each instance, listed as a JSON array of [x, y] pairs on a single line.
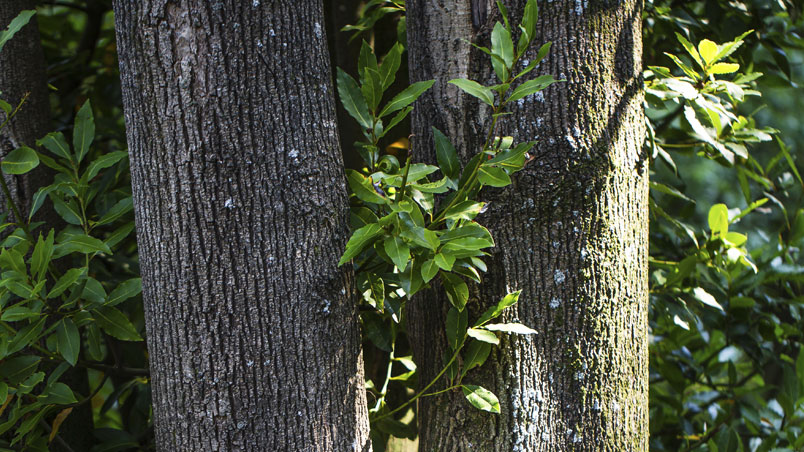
[[571, 232], [242, 215]]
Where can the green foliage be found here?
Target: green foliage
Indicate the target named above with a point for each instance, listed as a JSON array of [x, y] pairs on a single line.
[[401, 242], [725, 296]]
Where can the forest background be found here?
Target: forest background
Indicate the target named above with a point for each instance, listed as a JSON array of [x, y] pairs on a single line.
[[726, 358]]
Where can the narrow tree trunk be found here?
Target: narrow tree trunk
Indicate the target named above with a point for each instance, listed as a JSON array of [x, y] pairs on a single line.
[[22, 72], [242, 215], [571, 232]]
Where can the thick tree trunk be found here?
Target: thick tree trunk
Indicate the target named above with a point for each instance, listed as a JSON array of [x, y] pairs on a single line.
[[571, 232], [242, 215]]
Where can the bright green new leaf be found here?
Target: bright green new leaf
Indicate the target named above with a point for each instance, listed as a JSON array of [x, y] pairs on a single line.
[[691, 50], [360, 239], [69, 340], [115, 324], [475, 89], [708, 51], [481, 398], [516, 328], [493, 176], [447, 156], [398, 251], [352, 99], [84, 131], [406, 97], [718, 219], [723, 68], [20, 161], [483, 335]]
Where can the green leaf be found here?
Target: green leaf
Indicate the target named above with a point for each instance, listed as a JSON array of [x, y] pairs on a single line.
[[481, 398], [543, 50], [3, 392], [691, 50], [483, 335], [476, 354], [457, 290], [93, 291], [666, 189], [124, 291], [26, 335], [390, 65], [429, 270], [121, 208], [352, 99], [444, 261], [84, 131], [466, 210], [503, 47], [42, 253], [371, 88], [687, 70], [58, 394], [706, 298], [363, 188], [104, 161], [94, 341], [17, 313], [708, 51], [468, 243], [39, 199], [515, 328], [11, 259], [475, 89], [69, 340], [723, 68], [81, 243], [422, 237], [493, 176], [20, 161], [66, 281], [16, 25], [530, 17], [68, 210], [728, 440], [531, 87], [359, 241], [115, 324], [718, 219], [447, 156], [15, 370], [457, 320], [468, 230], [406, 97], [397, 119], [57, 144], [398, 251], [494, 311]]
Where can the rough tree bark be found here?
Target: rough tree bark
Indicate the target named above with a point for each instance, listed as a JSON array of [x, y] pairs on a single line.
[[22, 72], [242, 214], [571, 232]]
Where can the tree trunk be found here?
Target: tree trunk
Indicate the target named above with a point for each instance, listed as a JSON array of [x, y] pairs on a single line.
[[242, 215], [22, 72], [571, 232]]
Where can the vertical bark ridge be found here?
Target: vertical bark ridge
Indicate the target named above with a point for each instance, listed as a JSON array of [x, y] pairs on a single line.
[[241, 217], [571, 233]]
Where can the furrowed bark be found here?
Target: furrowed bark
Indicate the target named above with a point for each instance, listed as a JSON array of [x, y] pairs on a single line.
[[571, 232], [242, 215]]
